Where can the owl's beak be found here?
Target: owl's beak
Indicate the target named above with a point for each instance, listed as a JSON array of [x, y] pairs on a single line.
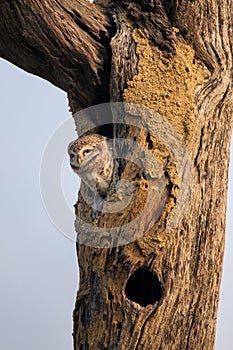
[[79, 160]]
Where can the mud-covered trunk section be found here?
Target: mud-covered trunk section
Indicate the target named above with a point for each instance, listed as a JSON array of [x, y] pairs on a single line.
[[162, 289]]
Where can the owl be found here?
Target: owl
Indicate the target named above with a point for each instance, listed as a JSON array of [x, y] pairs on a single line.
[[91, 158]]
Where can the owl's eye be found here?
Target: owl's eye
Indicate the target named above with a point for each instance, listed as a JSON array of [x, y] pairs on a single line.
[[72, 156], [87, 151]]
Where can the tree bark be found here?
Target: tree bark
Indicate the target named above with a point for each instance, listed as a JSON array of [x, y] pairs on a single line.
[[61, 41], [160, 290]]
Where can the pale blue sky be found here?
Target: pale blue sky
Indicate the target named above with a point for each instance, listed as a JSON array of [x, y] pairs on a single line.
[[38, 266]]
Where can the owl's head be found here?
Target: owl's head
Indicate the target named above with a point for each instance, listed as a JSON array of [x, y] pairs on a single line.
[[85, 150]]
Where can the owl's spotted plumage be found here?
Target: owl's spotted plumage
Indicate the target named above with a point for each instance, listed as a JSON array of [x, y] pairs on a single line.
[[91, 158]]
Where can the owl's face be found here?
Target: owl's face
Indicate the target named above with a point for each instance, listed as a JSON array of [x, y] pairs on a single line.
[[83, 150], [91, 158]]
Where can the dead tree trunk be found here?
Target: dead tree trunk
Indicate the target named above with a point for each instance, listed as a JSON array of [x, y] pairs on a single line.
[[173, 59]]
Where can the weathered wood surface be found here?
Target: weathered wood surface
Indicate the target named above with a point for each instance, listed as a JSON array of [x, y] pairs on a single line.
[[174, 57], [64, 42]]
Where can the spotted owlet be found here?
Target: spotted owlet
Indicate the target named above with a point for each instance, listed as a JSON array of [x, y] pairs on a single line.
[[91, 158]]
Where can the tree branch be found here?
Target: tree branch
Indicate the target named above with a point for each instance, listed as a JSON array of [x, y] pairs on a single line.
[[62, 41]]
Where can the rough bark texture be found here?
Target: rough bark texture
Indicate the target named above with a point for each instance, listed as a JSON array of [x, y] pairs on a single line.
[[175, 57], [65, 42], [112, 310]]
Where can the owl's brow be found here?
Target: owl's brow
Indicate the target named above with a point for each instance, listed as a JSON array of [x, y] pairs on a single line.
[[81, 142], [92, 140]]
